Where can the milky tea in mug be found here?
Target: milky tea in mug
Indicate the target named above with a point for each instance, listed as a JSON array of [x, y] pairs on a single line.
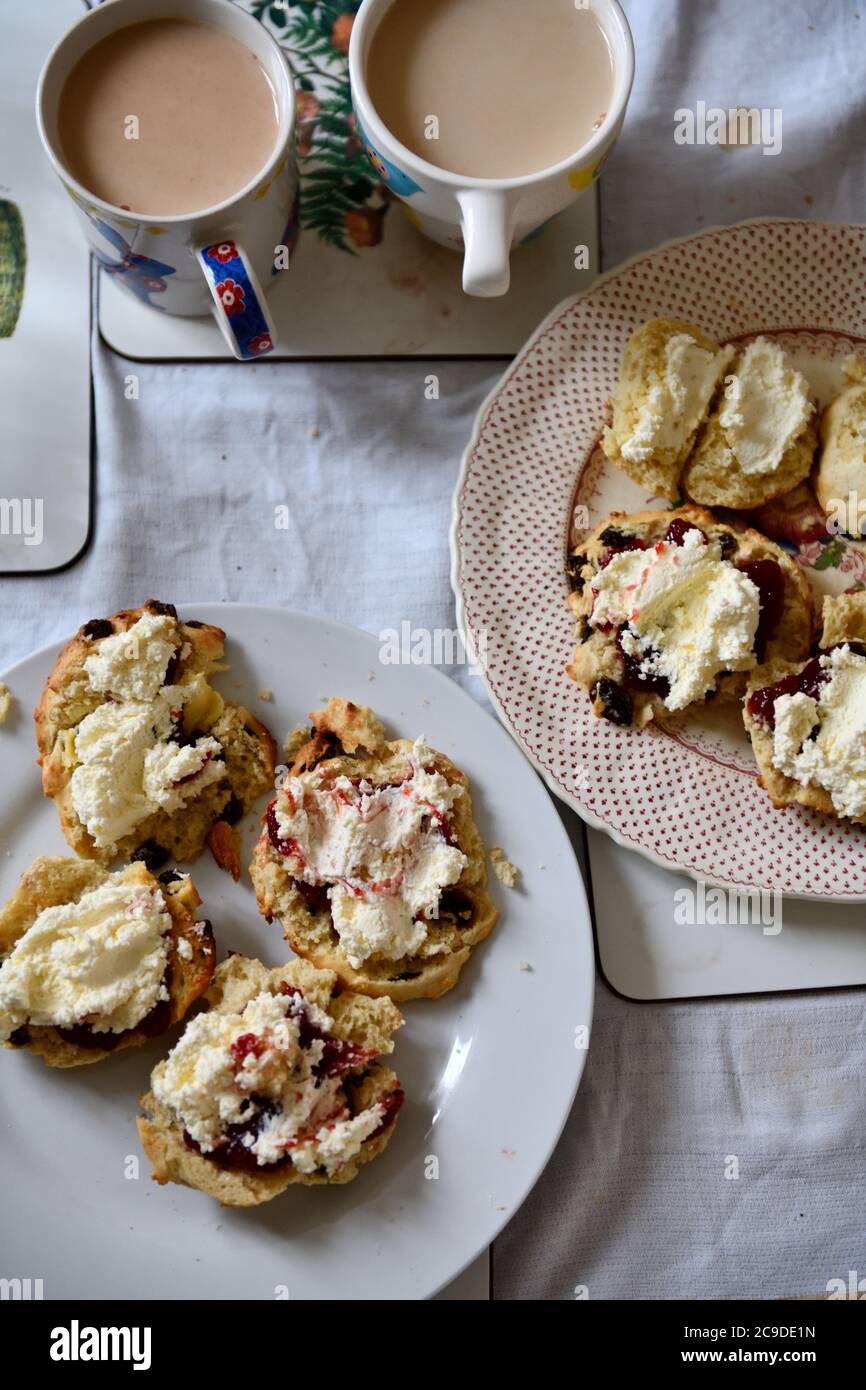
[[168, 116], [491, 89]]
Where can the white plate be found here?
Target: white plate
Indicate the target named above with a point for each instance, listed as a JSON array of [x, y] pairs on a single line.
[[490, 1071], [685, 796]]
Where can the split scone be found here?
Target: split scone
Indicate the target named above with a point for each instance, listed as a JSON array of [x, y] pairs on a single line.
[[96, 961], [840, 477], [807, 720], [278, 1083], [668, 378], [370, 859], [730, 428], [142, 757], [760, 438], [675, 608]]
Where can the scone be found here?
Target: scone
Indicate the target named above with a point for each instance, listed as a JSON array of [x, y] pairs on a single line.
[[278, 1083], [97, 961], [370, 859], [807, 720], [669, 375], [840, 476], [759, 439], [141, 756], [675, 608]]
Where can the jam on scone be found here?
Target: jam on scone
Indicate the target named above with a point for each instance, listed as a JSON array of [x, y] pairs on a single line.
[[279, 1082], [370, 859], [97, 961], [674, 608], [807, 721], [142, 756]]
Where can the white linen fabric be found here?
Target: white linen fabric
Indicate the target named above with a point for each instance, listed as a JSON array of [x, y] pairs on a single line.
[[635, 1202]]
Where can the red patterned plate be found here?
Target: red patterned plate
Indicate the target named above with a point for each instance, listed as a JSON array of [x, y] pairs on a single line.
[[533, 475]]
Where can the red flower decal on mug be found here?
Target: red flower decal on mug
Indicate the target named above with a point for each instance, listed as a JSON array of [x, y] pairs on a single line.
[[222, 252], [231, 297], [263, 343]]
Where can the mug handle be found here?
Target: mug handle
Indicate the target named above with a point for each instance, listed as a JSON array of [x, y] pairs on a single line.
[[239, 304], [487, 219]]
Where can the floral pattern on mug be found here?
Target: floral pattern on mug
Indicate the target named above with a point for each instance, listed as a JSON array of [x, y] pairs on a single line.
[[398, 181], [232, 296], [223, 252], [141, 274]]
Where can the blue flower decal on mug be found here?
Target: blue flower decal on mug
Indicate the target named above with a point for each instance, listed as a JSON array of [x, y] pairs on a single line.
[[142, 274], [397, 181]]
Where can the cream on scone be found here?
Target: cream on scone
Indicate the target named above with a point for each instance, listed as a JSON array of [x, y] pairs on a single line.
[[807, 720], [759, 440], [370, 859], [278, 1083], [669, 375], [674, 608], [140, 753], [97, 961]]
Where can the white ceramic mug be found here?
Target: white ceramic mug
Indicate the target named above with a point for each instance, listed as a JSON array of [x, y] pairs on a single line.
[[217, 259], [485, 217]]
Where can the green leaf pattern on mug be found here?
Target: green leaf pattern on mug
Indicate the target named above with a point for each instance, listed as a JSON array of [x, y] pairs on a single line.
[[340, 198]]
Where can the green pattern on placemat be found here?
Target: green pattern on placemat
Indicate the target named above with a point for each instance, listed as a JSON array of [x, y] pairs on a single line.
[[13, 261], [341, 199]]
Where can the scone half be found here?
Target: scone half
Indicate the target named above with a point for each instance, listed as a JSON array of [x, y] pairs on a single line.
[[674, 608], [293, 1089], [807, 719], [669, 375], [370, 859], [759, 440], [75, 938], [140, 754]]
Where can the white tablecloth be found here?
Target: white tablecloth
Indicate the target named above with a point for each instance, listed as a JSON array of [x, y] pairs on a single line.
[[635, 1202]]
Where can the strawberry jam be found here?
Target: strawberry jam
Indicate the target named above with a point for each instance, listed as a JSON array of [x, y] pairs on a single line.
[[235, 1151], [632, 544], [338, 1055], [634, 678], [761, 703], [768, 580], [679, 529], [392, 1103]]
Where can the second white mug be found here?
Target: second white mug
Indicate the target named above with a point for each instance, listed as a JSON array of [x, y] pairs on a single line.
[[486, 217]]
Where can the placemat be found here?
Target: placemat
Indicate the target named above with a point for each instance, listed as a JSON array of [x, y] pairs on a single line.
[[45, 453], [364, 282]]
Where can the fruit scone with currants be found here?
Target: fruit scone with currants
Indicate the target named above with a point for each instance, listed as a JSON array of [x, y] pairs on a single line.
[[140, 754], [370, 859], [807, 719], [279, 1082], [93, 962], [676, 608]]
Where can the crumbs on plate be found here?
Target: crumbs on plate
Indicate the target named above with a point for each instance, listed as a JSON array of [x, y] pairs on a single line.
[[505, 871]]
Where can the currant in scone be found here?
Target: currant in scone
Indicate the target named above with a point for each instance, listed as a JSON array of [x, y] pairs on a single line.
[[675, 608], [140, 754], [370, 858], [94, 962], [807, 720], [279, 1082]]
